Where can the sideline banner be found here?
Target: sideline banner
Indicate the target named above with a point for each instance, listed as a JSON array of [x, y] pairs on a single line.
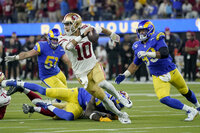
[[120, 27]]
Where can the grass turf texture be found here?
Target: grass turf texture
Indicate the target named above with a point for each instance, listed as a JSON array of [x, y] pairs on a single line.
[[148, 115]]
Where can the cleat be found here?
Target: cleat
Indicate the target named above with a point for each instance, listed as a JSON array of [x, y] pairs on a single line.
[[192, 113], [28, 109], [124, 119], [13, 90], [198, 109], [127, 103]]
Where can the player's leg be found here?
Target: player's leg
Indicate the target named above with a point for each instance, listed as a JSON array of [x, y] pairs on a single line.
[[98, 92], [55, 82], [99, 77], [162, 90], [62, 78], [2, 111], [178, 82]]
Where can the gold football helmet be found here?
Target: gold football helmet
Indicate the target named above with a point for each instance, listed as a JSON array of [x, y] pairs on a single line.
[[72, 21]]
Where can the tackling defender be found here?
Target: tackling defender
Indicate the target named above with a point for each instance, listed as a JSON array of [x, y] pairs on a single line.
[[84, 63], [49, 53], [77, 101], [152, 49]]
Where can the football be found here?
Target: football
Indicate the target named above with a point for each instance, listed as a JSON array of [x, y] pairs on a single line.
[[2, 77], [93, 36]]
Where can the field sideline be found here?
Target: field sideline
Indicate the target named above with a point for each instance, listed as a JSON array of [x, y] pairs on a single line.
[[148, 115]]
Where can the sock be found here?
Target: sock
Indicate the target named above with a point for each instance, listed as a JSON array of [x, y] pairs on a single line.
[[35, 87], [26, 91], [109, 88], [37, 109], [186, 108], [190, 96], [46, 112], [171, 102], [109, 105], [31, 95]]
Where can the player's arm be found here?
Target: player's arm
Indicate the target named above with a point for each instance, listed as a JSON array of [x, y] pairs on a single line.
[[68, 45], [113, 36], [22, 55], [66, 60], [92, 113]]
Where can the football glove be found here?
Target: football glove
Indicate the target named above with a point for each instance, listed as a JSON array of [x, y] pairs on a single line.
[[119, 78], [11, 58], [104, 119], [115, 37]]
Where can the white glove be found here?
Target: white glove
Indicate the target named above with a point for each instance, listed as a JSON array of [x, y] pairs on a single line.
[[11, 58], [84, 81], [115, 37]]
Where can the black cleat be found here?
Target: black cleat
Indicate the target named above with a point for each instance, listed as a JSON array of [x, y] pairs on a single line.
[[13, 90], [28, 109]]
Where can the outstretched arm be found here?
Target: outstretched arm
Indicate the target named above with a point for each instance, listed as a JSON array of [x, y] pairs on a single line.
[[66, 60], [22, 55]]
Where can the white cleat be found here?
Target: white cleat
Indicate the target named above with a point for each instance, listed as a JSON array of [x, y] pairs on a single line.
[[192, 113], [124, 119], [127, 103]]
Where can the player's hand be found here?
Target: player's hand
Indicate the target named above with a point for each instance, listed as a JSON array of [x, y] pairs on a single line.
[[10, 58], [115, 37], [119, 78], [141, 54]]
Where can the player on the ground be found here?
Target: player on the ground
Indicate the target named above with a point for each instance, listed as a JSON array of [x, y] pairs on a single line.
[[49, 53], [77, 100], [4, 99], [152, 49], [84, 63]]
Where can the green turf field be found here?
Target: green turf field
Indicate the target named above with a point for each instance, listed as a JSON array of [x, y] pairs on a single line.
[[148, 115]]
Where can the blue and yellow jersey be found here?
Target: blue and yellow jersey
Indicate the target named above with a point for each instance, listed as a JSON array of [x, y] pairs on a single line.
[[48, 59], [84, 97], [156, 66]]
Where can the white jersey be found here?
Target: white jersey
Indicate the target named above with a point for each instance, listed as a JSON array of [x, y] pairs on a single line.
[[4, 99], [82, 56]]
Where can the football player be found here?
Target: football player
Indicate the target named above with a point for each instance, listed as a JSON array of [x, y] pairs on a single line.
[[152, 49], [4, 99], [49, 53], [84, 63], [77, 100]]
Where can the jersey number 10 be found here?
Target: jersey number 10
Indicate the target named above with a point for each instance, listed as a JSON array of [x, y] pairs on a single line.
[[85, 54]]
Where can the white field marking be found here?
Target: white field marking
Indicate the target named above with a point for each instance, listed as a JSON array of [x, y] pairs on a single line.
[[47, 129], [13, 127], [113, 82], [122, 129], [18, 120], [155, 115]]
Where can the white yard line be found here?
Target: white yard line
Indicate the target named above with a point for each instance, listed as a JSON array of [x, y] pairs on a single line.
[[118, 129]]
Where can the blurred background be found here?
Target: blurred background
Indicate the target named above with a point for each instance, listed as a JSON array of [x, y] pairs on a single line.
[[24, 22]]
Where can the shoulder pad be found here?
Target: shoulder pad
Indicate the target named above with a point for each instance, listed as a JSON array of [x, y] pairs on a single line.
[[160, 35]]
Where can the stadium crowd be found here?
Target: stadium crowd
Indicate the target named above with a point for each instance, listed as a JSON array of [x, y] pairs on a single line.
[[32, 11]]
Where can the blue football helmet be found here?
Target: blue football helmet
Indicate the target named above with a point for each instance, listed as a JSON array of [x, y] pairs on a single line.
[[145, 25], [53, 37]]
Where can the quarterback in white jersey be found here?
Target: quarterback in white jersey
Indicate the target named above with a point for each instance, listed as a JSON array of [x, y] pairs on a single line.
[[84, 63], [4, 99]]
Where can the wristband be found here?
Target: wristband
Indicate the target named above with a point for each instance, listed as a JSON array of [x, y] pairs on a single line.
[[82, 35], [17, 57], [78, 39], [127, 73]]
